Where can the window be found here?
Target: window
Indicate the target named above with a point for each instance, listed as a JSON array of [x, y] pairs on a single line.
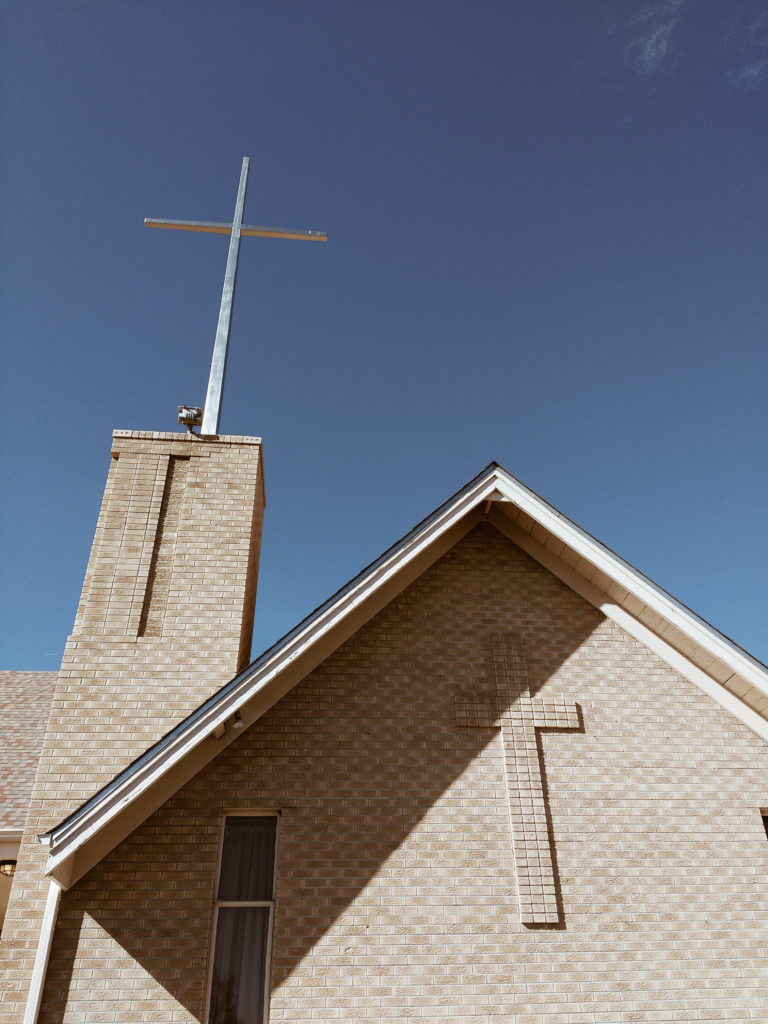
[[242, 925]]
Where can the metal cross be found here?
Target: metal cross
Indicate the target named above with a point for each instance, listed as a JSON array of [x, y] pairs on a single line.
[[235, 230], [519, 715]]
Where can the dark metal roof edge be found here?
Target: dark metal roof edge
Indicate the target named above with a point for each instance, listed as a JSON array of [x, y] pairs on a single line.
[[271, 651], [639, 572], [266, 655]]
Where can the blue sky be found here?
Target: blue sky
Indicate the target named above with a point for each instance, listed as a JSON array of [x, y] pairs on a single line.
[[547, 248]]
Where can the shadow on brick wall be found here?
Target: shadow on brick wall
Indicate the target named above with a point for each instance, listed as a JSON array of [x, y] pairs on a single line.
[[394, 837]]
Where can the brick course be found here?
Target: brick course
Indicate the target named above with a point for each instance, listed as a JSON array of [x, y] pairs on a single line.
[[397, 887]]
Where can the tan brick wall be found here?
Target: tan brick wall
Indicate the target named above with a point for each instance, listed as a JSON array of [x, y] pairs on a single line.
[[165, 618], [397, 891]]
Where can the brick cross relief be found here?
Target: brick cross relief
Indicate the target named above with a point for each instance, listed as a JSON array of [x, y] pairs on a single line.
[[519, 716]]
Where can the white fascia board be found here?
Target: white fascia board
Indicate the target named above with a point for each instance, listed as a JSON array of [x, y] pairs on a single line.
[[10, 841], [73, 834], [686, 668], [40, 967], [618, 614], [653, 597]]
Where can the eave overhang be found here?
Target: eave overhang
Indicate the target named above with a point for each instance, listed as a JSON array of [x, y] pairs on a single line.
[[689, 644]]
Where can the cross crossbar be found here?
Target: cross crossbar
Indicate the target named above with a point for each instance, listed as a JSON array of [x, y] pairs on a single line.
[[246, 230]]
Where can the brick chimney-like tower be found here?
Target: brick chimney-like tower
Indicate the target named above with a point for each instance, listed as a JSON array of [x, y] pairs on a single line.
[[165, 618]]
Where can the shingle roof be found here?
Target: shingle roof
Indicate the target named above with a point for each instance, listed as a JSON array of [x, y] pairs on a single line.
[[25, 702]]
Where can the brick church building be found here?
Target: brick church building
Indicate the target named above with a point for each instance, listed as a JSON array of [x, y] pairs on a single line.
[[499, 778]]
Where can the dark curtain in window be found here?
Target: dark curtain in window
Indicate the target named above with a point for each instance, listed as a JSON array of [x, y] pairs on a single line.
[[248, 858], [239, 980]]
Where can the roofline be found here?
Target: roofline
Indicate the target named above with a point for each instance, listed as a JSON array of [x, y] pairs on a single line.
[[492, 483], [271, 653], [645, 581]]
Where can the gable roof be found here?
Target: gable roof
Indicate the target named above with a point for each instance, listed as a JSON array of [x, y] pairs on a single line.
[[684, 640]]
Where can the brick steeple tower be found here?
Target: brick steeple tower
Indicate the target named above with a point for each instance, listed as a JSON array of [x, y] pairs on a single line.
[[165, 618]]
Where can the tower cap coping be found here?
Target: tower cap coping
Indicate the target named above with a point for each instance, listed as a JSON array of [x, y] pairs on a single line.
[[167, 435]]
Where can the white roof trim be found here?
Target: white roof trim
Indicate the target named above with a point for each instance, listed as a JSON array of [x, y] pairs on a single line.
[[10, 841], [636, 583], [268, 678]]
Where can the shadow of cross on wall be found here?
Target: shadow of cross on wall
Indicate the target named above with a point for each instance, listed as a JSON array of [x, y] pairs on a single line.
[[518, 715]]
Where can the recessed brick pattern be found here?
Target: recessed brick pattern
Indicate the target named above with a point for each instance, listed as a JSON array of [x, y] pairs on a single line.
[[519, 717], [161, 566]]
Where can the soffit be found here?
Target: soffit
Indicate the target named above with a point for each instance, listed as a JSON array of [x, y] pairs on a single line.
[[683, 630]]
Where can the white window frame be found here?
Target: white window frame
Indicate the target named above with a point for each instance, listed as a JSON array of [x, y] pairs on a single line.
[[217, 904]]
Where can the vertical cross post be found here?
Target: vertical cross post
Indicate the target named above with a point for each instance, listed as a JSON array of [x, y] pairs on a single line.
[[212, 410], [519, 715], [236, 230]]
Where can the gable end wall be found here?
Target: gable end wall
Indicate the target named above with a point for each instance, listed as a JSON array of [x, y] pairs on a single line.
[[397, 890]]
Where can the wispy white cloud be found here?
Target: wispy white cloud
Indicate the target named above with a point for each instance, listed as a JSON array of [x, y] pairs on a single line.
[[652, 40], [653, 28], [757, 30], [752, 72], [754, 49]]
